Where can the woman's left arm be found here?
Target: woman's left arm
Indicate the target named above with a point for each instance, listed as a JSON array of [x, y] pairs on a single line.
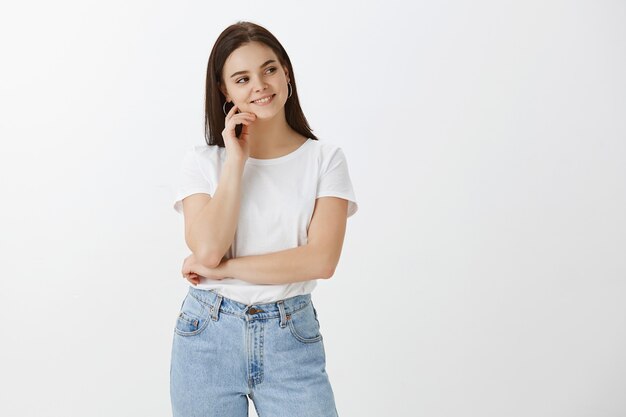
[[317, 259]]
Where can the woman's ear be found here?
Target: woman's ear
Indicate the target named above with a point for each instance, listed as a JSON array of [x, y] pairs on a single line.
[[223, 90]]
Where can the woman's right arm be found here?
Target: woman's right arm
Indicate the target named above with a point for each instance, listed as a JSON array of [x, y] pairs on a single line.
[[210, 223]]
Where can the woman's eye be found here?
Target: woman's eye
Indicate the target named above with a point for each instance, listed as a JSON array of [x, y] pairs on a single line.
[[245, 78]]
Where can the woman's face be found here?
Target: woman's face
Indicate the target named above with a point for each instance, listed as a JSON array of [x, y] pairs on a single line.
[[251, 72]]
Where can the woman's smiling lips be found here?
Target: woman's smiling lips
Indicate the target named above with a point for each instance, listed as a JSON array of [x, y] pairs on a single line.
[[266, 102]]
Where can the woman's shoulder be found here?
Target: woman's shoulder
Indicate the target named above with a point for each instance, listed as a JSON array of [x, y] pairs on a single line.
[[205, 149], [328, 150], [324, 147], [208, 152], [204, 158]]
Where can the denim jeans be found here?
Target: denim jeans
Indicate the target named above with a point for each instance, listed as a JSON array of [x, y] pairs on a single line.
[[225, 352]]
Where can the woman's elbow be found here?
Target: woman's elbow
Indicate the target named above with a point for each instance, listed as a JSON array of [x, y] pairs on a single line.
[[209, 258], [328, 270]]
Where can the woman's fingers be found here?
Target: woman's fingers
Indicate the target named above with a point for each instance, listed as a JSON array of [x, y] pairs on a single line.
[[243, 118], [231, 112], [195, 280]]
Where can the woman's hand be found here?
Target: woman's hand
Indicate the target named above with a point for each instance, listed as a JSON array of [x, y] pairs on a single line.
[[193, 271], [237, 148]]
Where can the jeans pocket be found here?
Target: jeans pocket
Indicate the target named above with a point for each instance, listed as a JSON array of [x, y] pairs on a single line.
[[193, 317], [304, 326]]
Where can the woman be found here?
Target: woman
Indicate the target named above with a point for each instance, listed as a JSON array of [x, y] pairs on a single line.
[[265, 207]]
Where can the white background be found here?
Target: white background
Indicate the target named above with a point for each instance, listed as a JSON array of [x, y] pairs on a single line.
[[484, 274]]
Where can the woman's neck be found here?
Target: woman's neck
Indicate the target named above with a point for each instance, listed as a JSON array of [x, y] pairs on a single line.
[[271, 138]]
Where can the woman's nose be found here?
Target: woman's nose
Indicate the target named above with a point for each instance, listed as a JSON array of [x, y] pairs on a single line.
[[260, 85]]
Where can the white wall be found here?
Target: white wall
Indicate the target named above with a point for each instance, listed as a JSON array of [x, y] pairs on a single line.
[[484, 274]]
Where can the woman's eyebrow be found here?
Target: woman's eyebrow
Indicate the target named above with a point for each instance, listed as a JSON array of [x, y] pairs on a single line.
[[269, 61]]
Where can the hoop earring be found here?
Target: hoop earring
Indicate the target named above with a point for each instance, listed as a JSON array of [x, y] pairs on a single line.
[[290, 89], [224, 108]]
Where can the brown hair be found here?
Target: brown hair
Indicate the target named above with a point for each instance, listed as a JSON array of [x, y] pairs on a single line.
[[230, 39]]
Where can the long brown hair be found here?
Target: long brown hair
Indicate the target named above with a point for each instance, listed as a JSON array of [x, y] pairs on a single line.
[[230, 39]]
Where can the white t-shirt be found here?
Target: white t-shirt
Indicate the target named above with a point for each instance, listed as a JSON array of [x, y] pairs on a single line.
[[277, 202]]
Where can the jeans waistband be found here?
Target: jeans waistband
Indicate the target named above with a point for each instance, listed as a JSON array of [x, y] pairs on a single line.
[[220, 304]]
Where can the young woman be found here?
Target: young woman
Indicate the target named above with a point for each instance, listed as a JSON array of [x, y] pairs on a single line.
[[265, 207]]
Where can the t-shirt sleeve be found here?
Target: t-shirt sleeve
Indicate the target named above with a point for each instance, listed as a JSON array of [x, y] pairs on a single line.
[[335, 180], [190, 180]]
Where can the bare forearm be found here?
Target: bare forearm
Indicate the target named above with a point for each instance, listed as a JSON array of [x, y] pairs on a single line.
[[213, 231], [302, 263]]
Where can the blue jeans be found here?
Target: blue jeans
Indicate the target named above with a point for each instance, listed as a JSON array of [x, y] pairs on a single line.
[[224, 351]]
